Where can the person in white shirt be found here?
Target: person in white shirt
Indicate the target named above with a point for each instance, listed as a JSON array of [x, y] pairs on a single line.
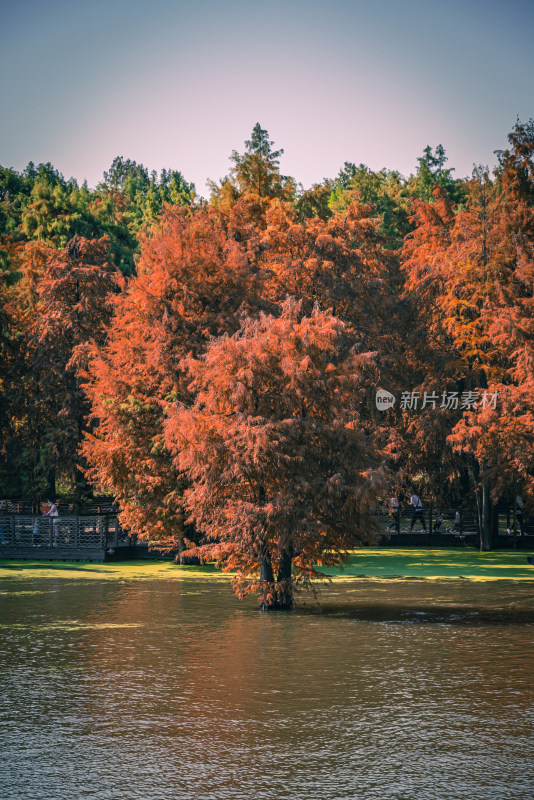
[[417, 512], [52, 511]]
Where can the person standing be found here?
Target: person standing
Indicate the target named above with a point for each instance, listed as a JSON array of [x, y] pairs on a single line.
[[439, 521], [519, 514], [36, 533], [53, 512], [417, 511], [394, 511]]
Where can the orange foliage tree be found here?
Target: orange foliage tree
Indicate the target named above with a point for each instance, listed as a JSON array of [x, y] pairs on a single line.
[[502, 438], [429, 352], [471, 275], [283, 476], [12, 381], [193, 280], [198, 272], [64, 299]]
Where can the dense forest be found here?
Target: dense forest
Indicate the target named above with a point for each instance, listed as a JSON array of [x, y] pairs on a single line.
[[213, 363]]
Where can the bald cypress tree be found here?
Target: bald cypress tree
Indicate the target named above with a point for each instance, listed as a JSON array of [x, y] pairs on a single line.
[[283, 474], [257, 170]]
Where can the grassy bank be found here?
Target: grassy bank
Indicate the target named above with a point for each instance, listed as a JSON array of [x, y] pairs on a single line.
[[418, 562], [376, 564]]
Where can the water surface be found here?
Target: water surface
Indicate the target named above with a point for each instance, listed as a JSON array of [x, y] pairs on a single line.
[[174, 689]]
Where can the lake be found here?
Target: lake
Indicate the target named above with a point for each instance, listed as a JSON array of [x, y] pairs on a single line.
[[164, 688]]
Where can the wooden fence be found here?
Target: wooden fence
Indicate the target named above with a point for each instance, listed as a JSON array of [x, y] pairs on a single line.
[[46, 537], [402, 522], [99, 536], [66, 505]]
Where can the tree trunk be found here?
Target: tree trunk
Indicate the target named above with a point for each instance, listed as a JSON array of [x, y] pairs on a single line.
[[182, 559], [276, 596], [267, 593], [485, 522], [284, 589], [494, 525], [51, 484]]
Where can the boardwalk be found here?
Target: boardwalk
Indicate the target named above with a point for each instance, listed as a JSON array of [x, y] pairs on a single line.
[[75, 537], [510, 533], [99, 537]]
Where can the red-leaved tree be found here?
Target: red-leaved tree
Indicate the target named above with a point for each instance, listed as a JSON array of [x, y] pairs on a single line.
[[283, 477], [65, 305], [193, 280]]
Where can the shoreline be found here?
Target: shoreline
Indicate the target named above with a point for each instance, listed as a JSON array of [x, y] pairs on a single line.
[[406, 564]]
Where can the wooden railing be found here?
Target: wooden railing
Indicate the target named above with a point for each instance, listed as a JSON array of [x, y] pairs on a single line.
[[66, 506], [508, 524], [65, 532]]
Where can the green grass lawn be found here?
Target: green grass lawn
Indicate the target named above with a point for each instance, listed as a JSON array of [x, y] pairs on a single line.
[[118, 570], [388, 563], [416, 562]]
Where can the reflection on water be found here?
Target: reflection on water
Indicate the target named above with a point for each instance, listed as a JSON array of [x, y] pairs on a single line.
[[169, 690]]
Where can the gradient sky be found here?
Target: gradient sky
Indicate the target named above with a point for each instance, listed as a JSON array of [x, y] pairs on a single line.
[[181, 84]]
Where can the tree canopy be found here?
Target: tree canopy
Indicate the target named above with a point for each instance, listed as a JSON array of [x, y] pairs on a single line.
[[282, 475], [213, 363]]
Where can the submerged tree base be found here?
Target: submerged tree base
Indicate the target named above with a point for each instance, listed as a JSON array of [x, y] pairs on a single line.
[[276, 597], [276, 605]]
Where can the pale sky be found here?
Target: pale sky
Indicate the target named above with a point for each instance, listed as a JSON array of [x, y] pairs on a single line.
[[180, 85]]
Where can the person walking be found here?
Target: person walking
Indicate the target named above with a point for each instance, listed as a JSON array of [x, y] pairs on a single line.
[[417, 511]]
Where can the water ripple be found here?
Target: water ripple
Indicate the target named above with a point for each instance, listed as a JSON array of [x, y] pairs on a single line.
[[114, 691]]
